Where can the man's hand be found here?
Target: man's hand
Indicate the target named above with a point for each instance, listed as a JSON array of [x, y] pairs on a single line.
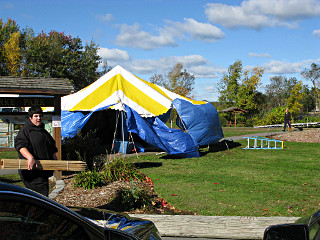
[[31, 163]]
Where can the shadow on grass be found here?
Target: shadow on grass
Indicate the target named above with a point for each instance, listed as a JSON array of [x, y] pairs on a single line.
[[148, 164], [219, 147], [8, 180]]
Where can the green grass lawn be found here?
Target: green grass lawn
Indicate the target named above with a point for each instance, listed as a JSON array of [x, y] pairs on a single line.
[[235, 182], [240, 182], [13, 179], [237, 131]]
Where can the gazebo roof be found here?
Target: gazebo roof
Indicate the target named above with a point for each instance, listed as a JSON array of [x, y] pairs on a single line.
[[35, 85], [233, 109]]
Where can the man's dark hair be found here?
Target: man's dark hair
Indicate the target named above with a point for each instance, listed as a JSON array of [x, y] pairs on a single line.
[[34, 110]]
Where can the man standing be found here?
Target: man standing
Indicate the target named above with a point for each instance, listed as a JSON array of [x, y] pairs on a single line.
[[287, 119], [33, 142]]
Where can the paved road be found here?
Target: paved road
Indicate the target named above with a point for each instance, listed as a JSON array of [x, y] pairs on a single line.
[[8, 171]]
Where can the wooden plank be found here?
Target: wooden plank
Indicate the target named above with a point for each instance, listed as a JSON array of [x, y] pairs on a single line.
[[219, 227], [44, 165]]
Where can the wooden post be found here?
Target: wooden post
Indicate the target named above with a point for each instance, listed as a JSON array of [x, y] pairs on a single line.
[[235, 119], [57, 132]]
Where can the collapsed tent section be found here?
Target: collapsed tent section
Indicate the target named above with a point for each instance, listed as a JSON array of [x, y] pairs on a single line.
[[145, 107]]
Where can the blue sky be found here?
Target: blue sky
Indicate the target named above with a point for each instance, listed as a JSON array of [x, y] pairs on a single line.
[[151, 36]]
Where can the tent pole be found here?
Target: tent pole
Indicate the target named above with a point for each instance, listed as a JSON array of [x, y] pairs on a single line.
[[122, 133], [130, 137], [115, 133]]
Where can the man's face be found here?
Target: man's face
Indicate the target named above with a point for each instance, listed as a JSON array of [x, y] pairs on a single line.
[[36, 119]]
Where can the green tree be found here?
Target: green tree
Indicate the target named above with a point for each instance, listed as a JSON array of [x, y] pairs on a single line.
[[58, 55], [274, 116], [294, 101], [6, 30], [313, 75], [228, 86], [157, 79], [84, 72], [13, 54], [48, 54], [308, 100], [278, 91], [247, 96], [176, 80], [26, 37], [105, 68]]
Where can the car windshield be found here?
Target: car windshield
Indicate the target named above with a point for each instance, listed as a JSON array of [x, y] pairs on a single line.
[[20, 220]]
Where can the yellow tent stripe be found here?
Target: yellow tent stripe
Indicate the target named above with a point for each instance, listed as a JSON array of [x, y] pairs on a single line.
[[155, 87], [117, 83]]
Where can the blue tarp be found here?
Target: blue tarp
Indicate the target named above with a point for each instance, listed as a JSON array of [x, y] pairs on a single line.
[[151, 130], [200, 121], [156, 133], [72, 122]]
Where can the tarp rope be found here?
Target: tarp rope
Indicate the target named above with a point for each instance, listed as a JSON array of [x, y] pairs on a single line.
[[115, 132], [122, 133], [130, 134], [130, 137]]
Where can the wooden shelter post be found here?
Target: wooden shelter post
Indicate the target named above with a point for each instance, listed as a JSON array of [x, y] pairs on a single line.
[[56, 126], [235, 111]]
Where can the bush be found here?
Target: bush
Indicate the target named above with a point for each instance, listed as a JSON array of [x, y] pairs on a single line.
[[275, 116], [133, 197], [118, 170], [223, 119], [89, 180], [309, 119]]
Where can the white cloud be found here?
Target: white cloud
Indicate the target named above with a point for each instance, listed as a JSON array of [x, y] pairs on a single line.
[[262, 13], [134, 36], [106, 18], [197, 65], [316, 33], [210, 89], [206, 71], [259, 55], [164, 64], [198, 31], [284, 67], [113, 55]]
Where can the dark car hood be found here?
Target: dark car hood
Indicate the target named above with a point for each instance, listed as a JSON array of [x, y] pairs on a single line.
[[144, 229], [309, 220], [105, 218]]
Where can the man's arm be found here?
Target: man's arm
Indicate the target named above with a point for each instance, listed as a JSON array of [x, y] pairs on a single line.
[[31, 162]]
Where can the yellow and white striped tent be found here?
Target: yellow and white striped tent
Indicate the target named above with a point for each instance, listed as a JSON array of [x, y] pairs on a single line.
[[120, 87]]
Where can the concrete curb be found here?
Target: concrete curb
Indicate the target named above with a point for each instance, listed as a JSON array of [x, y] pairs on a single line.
[[59, 187], [218, 227]]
